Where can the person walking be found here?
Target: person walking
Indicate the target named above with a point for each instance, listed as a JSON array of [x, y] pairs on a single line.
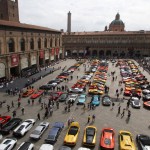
[[93, 118], [38, 116], [19, 103], [32, 101], [89, 118], [22, 110], [12, 104], [28, 101], [113, 104], [129, 113], [8, 108], [119, 108], [57, 104], [14, 113], [122, 115]]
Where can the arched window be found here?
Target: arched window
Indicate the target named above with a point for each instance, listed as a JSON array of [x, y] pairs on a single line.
[[11, 45], [51, 42], [22, 44], [32, 44], [45, 43], [39, 43]]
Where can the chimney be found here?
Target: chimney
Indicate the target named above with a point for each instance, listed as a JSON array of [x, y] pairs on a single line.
[[69, 23]]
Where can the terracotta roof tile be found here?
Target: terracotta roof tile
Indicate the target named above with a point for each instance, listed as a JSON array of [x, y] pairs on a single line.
[[26, 26]]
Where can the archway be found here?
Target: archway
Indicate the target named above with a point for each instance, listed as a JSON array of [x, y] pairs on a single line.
[[81, 53], [122, 54], [74, 53], [115, 54], [22, 44], [94, 53], [108, 53], [68, 53], [101, 53], [11, 45]]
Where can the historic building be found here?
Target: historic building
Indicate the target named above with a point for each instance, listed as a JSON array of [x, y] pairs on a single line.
[[112, 42], [23, 47]]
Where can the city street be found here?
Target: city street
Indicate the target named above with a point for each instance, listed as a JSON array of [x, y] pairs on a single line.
[[105, 116]]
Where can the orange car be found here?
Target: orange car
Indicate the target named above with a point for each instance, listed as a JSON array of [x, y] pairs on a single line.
[[107, 140], [146, 104], [37, 94], [28, 92]]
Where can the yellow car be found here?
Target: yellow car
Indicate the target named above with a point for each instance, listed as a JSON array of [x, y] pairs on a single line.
[[89, 137], [96, 91], [72, 134], [126, 140]]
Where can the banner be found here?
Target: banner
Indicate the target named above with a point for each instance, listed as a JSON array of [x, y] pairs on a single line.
[[41, 54], [53, 51], [57, 51], [14, 60]]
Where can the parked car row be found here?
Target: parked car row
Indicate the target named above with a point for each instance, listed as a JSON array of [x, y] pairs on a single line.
[[97, 87]]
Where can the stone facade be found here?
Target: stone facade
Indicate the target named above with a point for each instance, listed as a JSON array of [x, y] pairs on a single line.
[[107, 44]]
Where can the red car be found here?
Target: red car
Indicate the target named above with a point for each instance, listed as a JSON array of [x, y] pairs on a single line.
[[146, 104], [107, 140], [37, 94], [55, 95], [4, 119], [28, 92]]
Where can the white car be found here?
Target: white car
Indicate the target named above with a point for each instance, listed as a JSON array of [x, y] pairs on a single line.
[[146, 91], [76, 90], [83, 148], [23, 128], [136, 104], [46, 147], [72, 97], [26, 146], [8, 144], [39, 130]]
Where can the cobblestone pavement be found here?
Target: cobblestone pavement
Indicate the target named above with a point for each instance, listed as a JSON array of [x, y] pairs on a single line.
[[105, 116]]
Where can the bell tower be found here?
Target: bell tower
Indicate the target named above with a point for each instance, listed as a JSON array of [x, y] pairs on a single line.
[[9, 10]]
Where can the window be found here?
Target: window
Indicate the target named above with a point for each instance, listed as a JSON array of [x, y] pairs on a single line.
[[11, 45], [1, 16], [22, 45], [51, 43], [45, 43], [39, 43], [32, 44]]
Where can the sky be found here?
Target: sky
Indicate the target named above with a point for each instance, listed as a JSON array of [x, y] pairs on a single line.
[[86, 15]]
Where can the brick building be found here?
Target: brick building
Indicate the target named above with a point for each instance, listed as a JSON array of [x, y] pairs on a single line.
[[23, 47]]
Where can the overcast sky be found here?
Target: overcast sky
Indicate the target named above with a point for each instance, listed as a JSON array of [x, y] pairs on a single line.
[[87, 15]]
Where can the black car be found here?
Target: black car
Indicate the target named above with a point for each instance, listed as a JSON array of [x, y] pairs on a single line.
[[26, 146], [63, 97], [13, 123], [146, 97], [46, 87], [143, 142], [54, 132]]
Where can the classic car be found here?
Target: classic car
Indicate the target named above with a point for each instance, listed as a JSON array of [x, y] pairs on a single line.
[[106, 100], [76, 90], [46, 147], [63, 97], [28, 92], [65, 148], [146, 97], [95, 100], [72, 97], [81, 99], [146, 104], [4, 119], [55, 95], [26, 146]]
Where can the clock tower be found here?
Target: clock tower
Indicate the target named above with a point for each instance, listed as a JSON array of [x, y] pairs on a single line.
[[9, 10]]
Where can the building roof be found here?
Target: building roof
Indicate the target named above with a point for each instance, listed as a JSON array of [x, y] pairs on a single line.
[[108, 33], [26, 26]]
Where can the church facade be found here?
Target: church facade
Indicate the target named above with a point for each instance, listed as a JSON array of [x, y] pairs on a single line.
[[114, 41], [24, 48]]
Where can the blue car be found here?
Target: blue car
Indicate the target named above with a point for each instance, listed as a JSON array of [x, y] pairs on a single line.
[[95, 100], [54, 132], [81, 99]]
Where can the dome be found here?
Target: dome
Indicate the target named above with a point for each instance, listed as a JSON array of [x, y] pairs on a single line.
[[117, 22]]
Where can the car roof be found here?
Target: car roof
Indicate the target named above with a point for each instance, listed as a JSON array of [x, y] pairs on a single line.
[[53, 131], [25, 146]]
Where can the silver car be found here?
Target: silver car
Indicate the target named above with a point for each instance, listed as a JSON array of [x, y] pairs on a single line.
[[72, 97], [39, 130]]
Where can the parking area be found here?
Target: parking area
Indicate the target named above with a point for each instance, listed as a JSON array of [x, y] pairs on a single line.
[[138, 123]]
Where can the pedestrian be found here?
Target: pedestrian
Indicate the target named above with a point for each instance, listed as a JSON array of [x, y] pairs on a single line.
[[57, 104], [51, 112], [41, 106], [77, 77], [129, 113], [38, 116], [69, 122], [14, 113], [116, 91], [22, 110], [89, 118], [12, 104], [19, 103], [117, 95], [123, 112], [93, 118], [113, 104], [28, 101], [32, 101], [128, 104], [8, 108], [40, 100], [65, 109], [119, 108]]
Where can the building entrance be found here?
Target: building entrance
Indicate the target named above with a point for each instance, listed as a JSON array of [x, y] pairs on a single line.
[[14, 71]]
